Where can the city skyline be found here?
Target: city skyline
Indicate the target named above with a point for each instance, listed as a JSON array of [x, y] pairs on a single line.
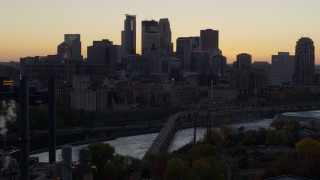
[[257, 28]]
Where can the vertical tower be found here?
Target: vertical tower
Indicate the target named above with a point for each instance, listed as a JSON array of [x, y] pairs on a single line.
[[128, 35], [243, 62], [304, 62], [282, 68], [150, 38], [183, 51], [73, 40], [209, 39], [166, 46]]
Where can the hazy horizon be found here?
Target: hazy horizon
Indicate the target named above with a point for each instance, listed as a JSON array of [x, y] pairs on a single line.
[[260, 28]]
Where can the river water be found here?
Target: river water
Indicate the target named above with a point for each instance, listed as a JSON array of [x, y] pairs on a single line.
[[137, 146]]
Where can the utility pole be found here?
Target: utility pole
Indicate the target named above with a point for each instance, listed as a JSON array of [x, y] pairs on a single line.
[[195, 127]]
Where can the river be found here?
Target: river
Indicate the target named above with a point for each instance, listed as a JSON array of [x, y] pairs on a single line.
[[137, 146]]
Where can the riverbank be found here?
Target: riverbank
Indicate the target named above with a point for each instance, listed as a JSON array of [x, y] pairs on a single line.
[[120, 135]]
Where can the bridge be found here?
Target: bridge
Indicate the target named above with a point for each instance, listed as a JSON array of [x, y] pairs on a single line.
[[162, 142]]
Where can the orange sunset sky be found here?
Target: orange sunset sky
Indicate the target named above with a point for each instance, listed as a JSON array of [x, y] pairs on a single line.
[[258, 27]]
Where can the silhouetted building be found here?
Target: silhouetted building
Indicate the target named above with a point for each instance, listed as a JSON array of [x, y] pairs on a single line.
[[73, 40], [185, 46], [166, 46], [243, 62], [64, 50], [135, 66], [106, 54], [209, 39], [218, 64], [282, 69], [183, 51], [42, 68], [263, 66], [200, 61], [128, 35], [304, 62], [171, 68], [150, 38], [250, 84]]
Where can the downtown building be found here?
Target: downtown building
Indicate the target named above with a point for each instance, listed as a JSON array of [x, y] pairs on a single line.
[[209, 39], [166, 45], [128, 35], [74, 42], [104, 54], [243, 62], [282, 69], [304, 62], [150, 38], [184, 48]]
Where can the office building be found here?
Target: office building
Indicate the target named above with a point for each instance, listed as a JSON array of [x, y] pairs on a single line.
[[166, 46], [243, 62], [282, 69], [218, 64], [73, 40], [64, 50], [150, 38], [209, 39], [104, 53], [128, 35], [183, 51], [304, 62]]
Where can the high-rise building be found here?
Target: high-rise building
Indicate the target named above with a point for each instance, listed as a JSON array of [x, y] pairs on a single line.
[[282, 69], [218, 64], [243, 62], [166, 46], [304, 62], [183, 51], [64, 50], [104, 53], [73, 40], [209, 39], [128, 35], [150, 38]]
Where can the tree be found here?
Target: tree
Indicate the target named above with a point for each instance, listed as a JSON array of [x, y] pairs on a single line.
[[308, 147], [101, 154], [202, 150], [177, 169], [208, 168], [273, 137], [248, 138], [226, 131]]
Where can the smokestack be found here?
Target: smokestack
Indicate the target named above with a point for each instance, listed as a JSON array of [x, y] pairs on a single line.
[[24, 113], [52, 120]]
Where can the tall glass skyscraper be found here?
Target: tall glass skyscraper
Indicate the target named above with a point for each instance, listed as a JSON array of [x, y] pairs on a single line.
[[73, 40], [128, 35]]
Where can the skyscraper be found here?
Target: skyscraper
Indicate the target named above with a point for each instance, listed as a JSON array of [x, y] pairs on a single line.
[[104, 53], [166, 46], [150, 38], [304, 62], [243, 62], [209, 39], [282, 68], [64, 50], [184, 48], [128, 35], [73, 40]]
